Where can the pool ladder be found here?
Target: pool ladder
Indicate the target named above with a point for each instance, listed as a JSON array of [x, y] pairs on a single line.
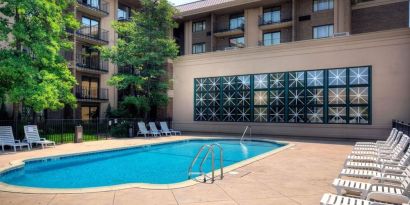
[[244, 132], [210, 149]]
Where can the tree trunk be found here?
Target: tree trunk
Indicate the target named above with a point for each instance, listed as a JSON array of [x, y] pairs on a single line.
[[15, 111]]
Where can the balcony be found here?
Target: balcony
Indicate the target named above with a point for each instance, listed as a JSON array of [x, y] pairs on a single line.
[[230, 31], [265, 24], [94, 8], [86, 94], [92, 35], [128, 70], [91, 64], [68, 55]]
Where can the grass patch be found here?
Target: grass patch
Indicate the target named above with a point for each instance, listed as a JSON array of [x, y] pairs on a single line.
[[69, 137]]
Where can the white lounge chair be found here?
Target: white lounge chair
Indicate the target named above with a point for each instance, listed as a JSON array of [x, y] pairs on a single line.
[[7, 139], [387, 167], [164, 127], [390, 143], [32, 137], [154, 128], [385, 158], [332, 199], [389, 139], [143, 130], [375, 175], [385, 150]]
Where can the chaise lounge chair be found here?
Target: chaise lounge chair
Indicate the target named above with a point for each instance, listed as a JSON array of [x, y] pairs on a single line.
[[154, 128], [386, 150], [164, 127], [389, 139], [393, 139], [7, 139], [32, 137], [332, 199], [143, 130]]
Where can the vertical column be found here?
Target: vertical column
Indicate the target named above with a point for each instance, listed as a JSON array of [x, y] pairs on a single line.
[[293, 20], [188, 38], [342, 16], [212, 31], [252, 31]]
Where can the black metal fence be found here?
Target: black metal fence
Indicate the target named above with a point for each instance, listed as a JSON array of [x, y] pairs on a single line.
[[401, 126], [62, 130]]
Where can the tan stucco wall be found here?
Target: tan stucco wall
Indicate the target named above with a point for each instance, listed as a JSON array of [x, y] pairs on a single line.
[[387, 52]]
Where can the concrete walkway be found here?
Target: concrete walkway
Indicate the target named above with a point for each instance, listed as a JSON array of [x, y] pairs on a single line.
[[299, 175]]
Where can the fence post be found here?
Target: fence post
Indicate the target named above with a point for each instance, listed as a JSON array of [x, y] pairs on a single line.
[[62, 131], [98, 122]]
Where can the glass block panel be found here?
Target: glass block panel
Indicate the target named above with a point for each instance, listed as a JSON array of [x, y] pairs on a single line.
[[260, 98], [277, 114], [244, 82], [359, 95], [277, 80], [296, 114], [229, 99], [314, 96], [337, 77], [359, 76], [296, 97], [228, 114], [213, 84], [315, 114], [213, 99], [314, 78], [229, 83], [337, 96], [260, 114], [244, 98], [200, 114], [277, 98], [260, 81], [213, 114], [337, 115], [244, 114], [200, 84], [296, 79], [359, 115], [200, 99]]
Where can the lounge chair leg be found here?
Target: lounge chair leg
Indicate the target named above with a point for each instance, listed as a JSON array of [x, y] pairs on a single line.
[[14, 147]]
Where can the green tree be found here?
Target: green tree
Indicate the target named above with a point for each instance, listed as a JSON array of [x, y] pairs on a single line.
[[144, 45], [31, 70]]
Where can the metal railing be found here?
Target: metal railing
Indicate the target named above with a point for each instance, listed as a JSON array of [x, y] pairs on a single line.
[[228, 28], [94, 32], [401, 126], [94, 62], [91, 93], [101, 6], [263, 21], [244, 132], [210, 150]]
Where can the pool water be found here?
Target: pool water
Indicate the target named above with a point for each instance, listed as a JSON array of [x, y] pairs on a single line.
[[153, 164]]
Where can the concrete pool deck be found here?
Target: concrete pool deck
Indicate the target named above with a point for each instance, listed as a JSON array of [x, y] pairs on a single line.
[[299, 175]]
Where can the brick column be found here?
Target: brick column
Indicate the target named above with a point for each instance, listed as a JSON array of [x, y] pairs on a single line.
[[342, 16]]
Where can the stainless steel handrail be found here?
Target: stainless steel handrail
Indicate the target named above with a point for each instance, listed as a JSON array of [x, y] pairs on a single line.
[[210, 150], [244, 132]]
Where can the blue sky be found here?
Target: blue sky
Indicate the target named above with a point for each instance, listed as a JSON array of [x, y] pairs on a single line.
[[178, 2]]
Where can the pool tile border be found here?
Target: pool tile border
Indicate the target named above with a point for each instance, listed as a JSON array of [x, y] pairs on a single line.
[[190, 182]]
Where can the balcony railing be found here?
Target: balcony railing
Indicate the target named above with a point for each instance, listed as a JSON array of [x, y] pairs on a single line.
[[102, 6], [226, 29], [263, 21], [86, 93], [91, 62], [228, 48], [93, 32]]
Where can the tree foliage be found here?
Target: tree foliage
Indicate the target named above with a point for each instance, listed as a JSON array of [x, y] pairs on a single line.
[[31, 69], [145, 44]]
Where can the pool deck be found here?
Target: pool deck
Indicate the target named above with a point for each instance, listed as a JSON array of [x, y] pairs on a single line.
[[298, 175]]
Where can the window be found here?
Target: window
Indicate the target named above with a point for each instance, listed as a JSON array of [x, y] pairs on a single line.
[[123, 12], [90, 27], [271, 38], [324, 96], [322, 31], [320, 5], [92, 3], [89, 87], [89, 58], [198, 26], [89, 112], [198, 48], [271, 16], [237, 42], [236, 21]]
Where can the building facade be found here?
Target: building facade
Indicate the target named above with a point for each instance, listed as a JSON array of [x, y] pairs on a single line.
[[323, 68]]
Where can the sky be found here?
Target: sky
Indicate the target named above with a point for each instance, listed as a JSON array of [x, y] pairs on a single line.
[[179, 2]]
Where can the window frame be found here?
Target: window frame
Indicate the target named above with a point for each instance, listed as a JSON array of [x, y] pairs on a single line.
[[272, 10], [237, 17], [272, 32], [318, 26], [203, 22], [319, 10], [237, 37], [203, 44]]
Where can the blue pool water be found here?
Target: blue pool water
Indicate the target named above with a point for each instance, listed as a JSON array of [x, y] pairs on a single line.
[[156, 164]]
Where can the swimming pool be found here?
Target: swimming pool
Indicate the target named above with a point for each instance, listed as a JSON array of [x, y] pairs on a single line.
[[165, 163]]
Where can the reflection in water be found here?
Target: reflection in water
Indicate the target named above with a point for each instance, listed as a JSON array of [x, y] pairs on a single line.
[[244, 150]]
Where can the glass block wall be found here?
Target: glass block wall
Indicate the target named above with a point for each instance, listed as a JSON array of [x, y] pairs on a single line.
[[331, 96]]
